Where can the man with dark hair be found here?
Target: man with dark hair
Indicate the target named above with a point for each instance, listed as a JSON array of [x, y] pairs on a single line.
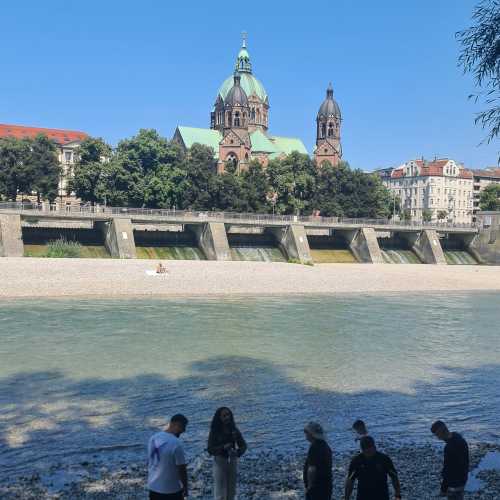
[[456, 461], [360, 429], [371, 468], [318, 465], [167, 474]]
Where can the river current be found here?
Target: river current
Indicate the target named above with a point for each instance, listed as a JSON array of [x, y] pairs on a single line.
[[92, 379]]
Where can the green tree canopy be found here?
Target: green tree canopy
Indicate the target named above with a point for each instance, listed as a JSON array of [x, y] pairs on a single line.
[[89, 170], [490, 198], [293, 180], [16, 172], [481, 56], [44, 164]]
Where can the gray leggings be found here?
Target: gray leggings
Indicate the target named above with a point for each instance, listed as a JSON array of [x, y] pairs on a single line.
[[225, 472]]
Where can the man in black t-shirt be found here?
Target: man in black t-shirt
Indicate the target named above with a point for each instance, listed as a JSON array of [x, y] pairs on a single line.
[[371, 468], [456, 461], [318, 465]]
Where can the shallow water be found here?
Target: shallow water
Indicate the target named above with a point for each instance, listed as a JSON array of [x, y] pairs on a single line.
[[81, 380]]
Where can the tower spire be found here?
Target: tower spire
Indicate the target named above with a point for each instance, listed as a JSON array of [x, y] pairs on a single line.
[[244, 36]]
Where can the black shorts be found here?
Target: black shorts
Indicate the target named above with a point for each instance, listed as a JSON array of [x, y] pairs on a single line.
[[165, 496]]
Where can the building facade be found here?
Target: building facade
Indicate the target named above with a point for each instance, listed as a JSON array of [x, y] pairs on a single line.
[[66, 141], [441, 188], [239, 124], [482, 179]]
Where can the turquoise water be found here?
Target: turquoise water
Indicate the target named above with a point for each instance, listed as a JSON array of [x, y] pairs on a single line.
[[81, 380]]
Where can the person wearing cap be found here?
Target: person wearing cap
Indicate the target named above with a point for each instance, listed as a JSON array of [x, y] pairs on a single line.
[[371, 468], [318, 464], [167, 474], [456, 461]]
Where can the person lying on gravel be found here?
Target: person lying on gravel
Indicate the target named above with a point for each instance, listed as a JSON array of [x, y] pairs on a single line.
[[318, 465], [371, 468], [167, 473], [456, 461]]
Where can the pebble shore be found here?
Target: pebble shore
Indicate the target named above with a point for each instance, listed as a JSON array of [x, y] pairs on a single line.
[[262, 476], [115, 278]]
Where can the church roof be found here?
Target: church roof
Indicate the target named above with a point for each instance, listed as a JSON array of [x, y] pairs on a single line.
[[274, 146], [205, 136], [249, 83]]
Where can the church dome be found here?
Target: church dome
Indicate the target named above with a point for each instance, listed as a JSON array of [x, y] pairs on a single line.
[[236, 95], [329, 106], [250, 84]]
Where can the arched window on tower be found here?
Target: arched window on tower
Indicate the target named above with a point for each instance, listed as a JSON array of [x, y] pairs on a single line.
[[323, 131], [229, 118], [237, 119], [258, 115], [252, 114], [330, 129], [244, 121]]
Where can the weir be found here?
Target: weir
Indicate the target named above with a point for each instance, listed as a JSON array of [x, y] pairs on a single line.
[[252, 245], [331, 238]]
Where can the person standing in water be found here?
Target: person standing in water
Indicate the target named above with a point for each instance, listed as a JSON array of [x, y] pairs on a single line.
[[360, 429], [167, 474], [226, 445], [318, 465], [456, 461]]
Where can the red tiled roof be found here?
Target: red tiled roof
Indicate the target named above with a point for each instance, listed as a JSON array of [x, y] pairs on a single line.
[[61, 137], [433, 168], [397, 173], [487, 172], [465, 174]]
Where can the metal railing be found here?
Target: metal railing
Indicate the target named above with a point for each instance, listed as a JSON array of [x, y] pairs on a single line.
[[97, 211]]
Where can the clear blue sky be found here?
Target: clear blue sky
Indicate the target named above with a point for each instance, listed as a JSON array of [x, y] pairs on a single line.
[[111, 67]]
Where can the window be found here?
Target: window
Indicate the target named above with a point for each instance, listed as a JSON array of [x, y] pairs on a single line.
[[330, 130], [68, 156], [323, 130], [237, 119]]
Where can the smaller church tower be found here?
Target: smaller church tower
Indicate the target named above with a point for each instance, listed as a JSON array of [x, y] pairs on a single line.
[[328, 120], [233, 114]]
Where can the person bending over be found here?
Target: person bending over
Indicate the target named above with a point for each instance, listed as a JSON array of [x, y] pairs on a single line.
[[226, 445], [456, 461], [371, 468], [318, 465], [167, 474]]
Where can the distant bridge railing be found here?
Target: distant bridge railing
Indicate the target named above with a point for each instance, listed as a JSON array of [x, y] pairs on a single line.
[[97, 211]]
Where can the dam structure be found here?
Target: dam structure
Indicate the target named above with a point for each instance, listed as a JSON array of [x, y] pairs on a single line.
[[129, 233]]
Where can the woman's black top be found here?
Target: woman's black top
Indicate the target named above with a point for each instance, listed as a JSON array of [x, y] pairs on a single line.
[[217, 441]]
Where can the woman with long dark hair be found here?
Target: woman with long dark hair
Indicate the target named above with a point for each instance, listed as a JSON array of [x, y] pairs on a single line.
[[226, 445]]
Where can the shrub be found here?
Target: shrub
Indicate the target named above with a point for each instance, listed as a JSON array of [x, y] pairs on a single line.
[[62, 248]]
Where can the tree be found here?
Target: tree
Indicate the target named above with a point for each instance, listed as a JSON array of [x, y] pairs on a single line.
[[16, 174], [255, 188], [481, 56], [43, 161], [442, 214], [426, 215], [293, 179], [490, 198], [200, 180], [89, 170], [406, 215]]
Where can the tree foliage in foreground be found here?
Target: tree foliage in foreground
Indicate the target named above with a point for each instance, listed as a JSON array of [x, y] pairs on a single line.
[[481, 56], [490, 198]]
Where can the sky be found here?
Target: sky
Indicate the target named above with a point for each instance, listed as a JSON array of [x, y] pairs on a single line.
[[112, 67]]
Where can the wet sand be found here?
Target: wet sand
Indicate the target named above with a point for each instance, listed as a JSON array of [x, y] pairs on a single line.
[[42, 277]]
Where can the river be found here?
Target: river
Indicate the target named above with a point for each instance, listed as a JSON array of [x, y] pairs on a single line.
[[91, 379]]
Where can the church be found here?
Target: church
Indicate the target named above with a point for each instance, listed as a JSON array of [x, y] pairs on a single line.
[[239, 124]]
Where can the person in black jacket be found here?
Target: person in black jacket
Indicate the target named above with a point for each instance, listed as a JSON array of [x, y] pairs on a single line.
[[226, 445], [456, 461], [318, 465]]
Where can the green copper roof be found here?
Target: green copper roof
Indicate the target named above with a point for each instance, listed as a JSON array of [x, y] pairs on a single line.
[[261, 143], [288, 145], [205, 136], [250, 85]]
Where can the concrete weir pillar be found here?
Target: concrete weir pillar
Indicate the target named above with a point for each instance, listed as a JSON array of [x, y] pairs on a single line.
[[426, 246], [364, 244], [212, 240], [293, 242], [119, 238], [11, 236]]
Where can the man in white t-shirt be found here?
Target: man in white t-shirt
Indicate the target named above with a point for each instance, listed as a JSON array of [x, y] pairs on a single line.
[[167, 474]]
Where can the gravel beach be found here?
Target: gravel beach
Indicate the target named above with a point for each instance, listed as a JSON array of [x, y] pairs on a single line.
[[109, 278], [266, 476]]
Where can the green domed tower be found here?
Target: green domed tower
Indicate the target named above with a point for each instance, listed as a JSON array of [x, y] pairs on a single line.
[[257, 96]]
